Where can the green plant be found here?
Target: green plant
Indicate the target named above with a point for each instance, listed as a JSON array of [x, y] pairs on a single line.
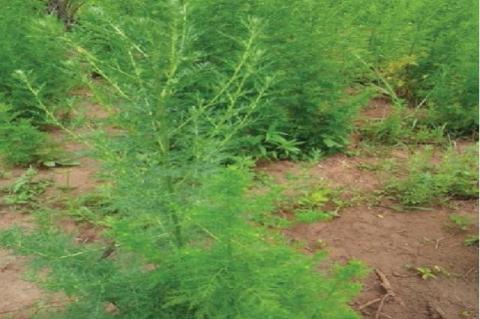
[[312, 216], [471, 240], [459, 171], [455, 176], [315, 198], [460, 222], [427, 272], [178, 182], [26, 189], [318, 203], [21, 143], [95, 208], [306, 108], [31, 41], [226, 267]]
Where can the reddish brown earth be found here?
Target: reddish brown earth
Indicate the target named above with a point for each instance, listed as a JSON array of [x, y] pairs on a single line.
[[394, 243]]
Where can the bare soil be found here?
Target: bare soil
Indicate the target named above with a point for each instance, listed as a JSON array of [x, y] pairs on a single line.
[[394, 243]]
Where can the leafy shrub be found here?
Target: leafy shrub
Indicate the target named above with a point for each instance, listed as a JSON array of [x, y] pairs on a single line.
[[31, 41], [427, 50], [21, 143], [310, 57], [305, 107], [178, 207], [456, 176], [225, 267]]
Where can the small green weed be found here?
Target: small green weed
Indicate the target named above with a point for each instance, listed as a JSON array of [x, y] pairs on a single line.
[[318, 204], [460, 222], [21, 143], [427, 272], [315, 198], [26, 189], [312, 216], [471, 241]]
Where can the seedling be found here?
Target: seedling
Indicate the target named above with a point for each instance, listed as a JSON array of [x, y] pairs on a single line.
[[459, 222], [471, 241], [311, 207], [427, 273], [316, 198]]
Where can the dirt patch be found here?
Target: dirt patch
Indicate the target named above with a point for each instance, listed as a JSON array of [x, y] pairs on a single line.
[[394, 242], [11, 219], [16, 295], [343, 171], [378, 108], [20, 299]]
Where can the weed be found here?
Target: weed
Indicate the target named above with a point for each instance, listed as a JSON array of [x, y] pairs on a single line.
[[21, 143], [95, 208], [425, 181], [460, 222], [312, 216], [26, 189], [471, 240], [318, 204], [427, 273]]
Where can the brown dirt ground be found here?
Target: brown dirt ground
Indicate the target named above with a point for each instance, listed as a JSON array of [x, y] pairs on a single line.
[[393, 242]]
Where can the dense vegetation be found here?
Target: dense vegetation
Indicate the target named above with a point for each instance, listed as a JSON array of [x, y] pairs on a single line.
[[199, 90]]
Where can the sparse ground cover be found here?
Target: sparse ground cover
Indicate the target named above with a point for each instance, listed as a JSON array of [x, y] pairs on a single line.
[[184, 162]]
